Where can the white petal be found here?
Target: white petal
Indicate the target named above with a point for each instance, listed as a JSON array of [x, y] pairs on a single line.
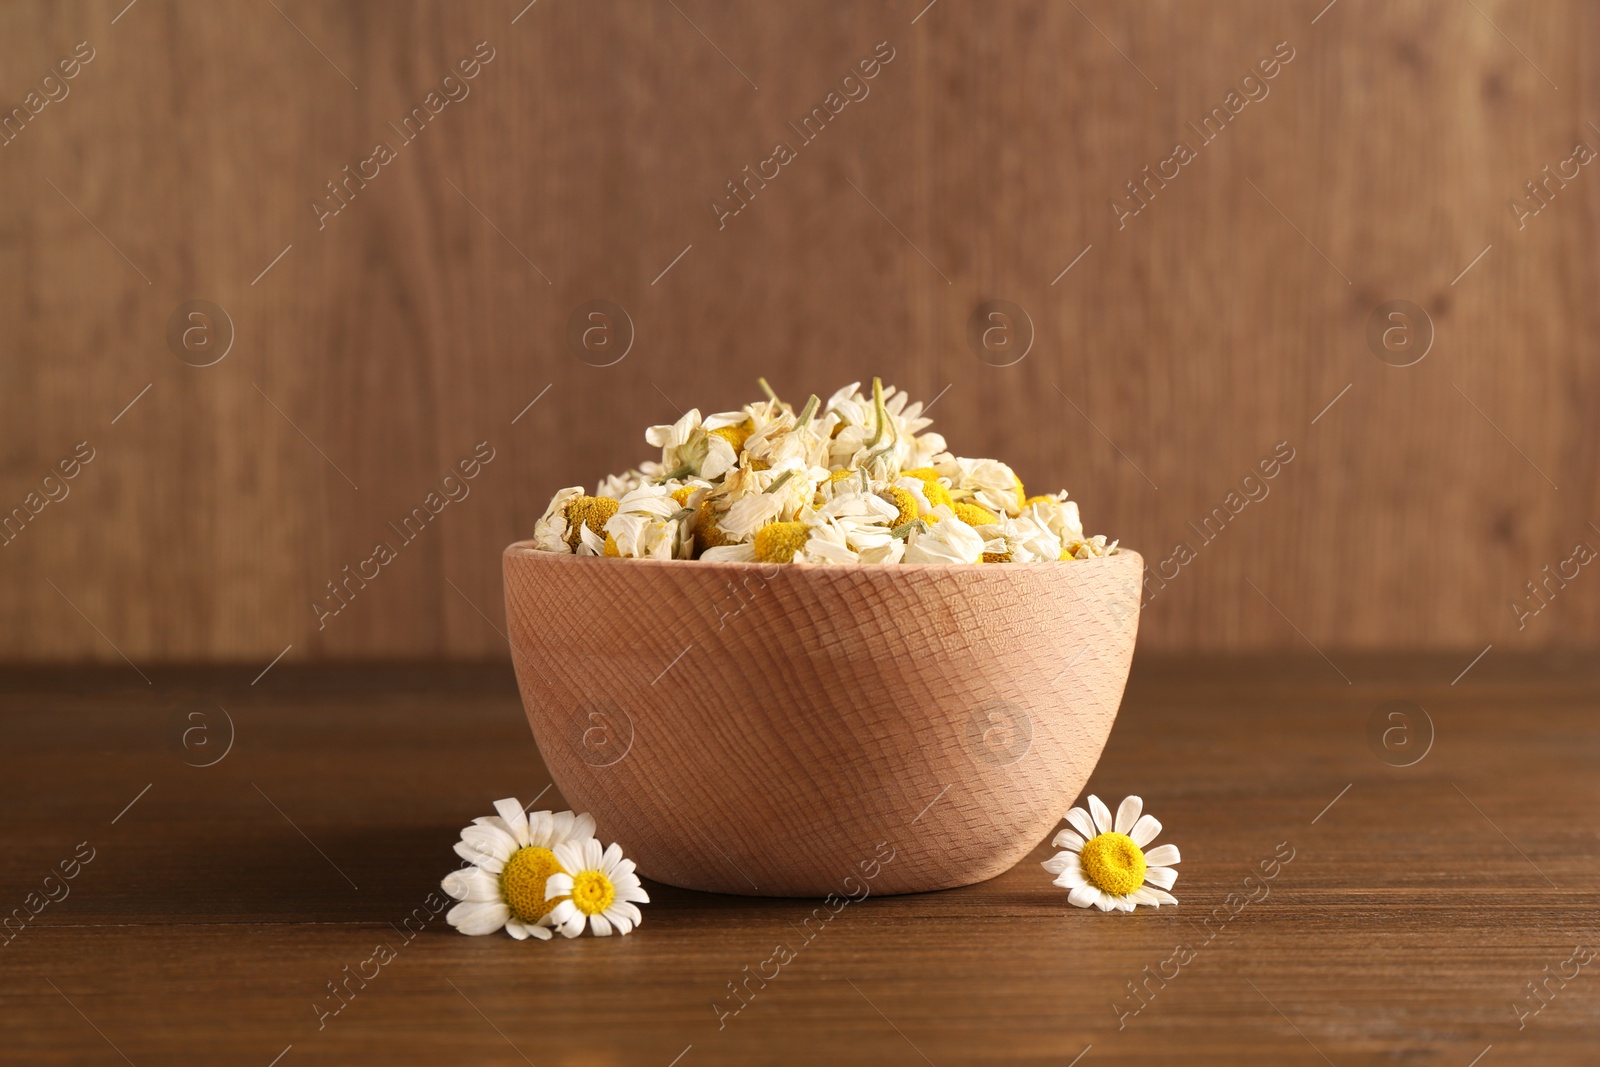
[[583, 826], [1072, 877], [476, 919], [1162, 856], [1068, 839], [1060, 862], [516, 820], [1145, 830], [1083, 896], [486, 860], [490, 840], [561, 913], [627, 910], [471, 883], [539, 932], [558, 885], [1162, 896], [636, 893], [1128, 813], [516, 929], [1125, 903], [1146, 896], [1080, 821], [612, 857], [570, 855], [592, 855], [619, 921], [1101, 813], [539, 823], [599, 925], [561, 826], [1160, 876], [573, 926]]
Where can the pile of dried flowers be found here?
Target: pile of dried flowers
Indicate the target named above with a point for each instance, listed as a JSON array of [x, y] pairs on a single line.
[[854, 480]]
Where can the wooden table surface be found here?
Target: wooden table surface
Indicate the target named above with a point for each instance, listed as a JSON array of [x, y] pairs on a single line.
[[221, 901]]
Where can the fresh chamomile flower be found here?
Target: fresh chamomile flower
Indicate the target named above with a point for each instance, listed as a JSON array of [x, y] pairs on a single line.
[[596, 887], [513, 858], [1106, 865]]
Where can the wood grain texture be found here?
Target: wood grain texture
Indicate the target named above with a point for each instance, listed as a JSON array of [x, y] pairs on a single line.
[[393, 337], [1412, 917], [776, 730]]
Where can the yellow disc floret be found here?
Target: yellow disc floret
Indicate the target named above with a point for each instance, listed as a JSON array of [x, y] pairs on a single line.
[[974, 514], [735, 435], [591, 511], [932, 487], [1038, 500], [997, 557], [777, 542], [611, 547], [522, 882], [593, 893], [1112, 862], [707, 534], [683, 493], [838, 476], [904, 501]]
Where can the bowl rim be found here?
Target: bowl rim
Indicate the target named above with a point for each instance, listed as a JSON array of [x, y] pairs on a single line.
[[528, 549]]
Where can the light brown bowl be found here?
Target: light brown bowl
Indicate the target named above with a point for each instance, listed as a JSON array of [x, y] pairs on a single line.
[[774, 730]]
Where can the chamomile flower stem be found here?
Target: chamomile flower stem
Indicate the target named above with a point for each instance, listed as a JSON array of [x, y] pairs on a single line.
[[808, 411], [777, 483], [675, 474], [765, 388], [877, 404]]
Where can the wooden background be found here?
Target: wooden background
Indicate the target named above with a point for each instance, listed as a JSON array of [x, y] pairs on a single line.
[[425, 316]]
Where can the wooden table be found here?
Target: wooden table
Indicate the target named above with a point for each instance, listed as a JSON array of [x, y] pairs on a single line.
[[221, 901]]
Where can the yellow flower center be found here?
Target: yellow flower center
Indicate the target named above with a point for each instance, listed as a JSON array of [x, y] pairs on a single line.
[[611, 546], [1112, 862], [904, 501], [839, 476], [592, 511], [1070, 551], [592, 892], [522, 882], [707, 534], [777, 542], [735, 435], [974, 514], [682, 495], [997, 557], [932, 487]]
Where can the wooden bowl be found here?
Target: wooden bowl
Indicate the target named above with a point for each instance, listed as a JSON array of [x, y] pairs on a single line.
[[775, 730]]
